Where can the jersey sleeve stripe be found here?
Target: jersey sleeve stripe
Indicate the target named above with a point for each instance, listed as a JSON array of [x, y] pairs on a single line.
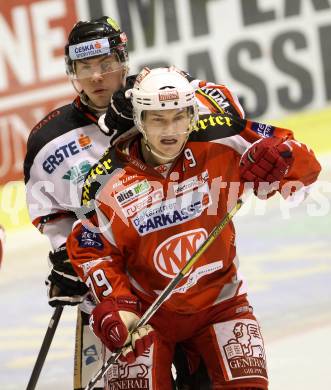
[[236, 142]]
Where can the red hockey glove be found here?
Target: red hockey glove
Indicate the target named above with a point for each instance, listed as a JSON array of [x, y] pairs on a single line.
[[267, 160], [112, 320]]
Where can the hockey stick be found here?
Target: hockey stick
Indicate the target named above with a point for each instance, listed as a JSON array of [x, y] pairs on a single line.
[[168, 290], [44, 348]]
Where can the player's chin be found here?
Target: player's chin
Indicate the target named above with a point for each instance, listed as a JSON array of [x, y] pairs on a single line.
[[170, 151], [101, 99]]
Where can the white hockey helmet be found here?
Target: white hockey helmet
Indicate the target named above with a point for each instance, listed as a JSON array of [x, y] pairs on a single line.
[[162, 89]]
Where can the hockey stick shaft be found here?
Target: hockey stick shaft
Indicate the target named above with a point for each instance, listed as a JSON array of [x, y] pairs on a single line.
[[45, 347], [169, 289]]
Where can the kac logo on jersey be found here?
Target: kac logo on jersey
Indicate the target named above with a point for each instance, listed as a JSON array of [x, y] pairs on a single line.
[[172, 254]]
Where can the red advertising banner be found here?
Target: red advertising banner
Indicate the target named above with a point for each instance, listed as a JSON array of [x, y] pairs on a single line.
[[32, 73], [33, 35]]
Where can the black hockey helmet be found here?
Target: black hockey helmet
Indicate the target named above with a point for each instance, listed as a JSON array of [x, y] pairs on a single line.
[[93, 38]]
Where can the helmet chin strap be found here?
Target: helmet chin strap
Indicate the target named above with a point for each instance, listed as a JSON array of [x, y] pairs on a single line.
[[150, 148], [160, 156], [166, 159]]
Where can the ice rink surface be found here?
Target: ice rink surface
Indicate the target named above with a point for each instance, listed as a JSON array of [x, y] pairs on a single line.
[[285, 256]]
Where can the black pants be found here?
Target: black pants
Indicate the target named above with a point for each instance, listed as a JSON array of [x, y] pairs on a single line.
[[199, 380]]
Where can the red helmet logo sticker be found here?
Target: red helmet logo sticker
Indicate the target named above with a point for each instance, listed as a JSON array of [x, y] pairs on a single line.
[[172, 254]]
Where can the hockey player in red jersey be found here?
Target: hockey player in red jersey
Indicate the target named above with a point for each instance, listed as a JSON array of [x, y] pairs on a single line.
[[67, 143], [163, 190]]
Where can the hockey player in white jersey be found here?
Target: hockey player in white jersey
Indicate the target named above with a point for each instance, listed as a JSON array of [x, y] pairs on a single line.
[[61, 150]]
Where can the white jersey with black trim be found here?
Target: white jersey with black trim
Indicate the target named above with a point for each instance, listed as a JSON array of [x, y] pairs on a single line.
[[61, 150]]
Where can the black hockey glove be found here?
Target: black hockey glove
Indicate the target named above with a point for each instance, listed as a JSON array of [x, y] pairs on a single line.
[[118, 118], [64, 286]]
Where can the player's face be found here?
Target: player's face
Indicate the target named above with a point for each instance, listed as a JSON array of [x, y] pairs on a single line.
[[167, 130], [99, 77]]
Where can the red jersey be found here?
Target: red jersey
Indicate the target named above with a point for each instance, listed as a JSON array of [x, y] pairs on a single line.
[[149, 225]]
